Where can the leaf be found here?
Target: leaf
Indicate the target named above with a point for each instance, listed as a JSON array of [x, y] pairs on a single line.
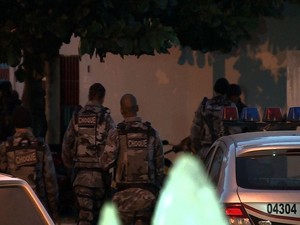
[[85, 48], [117, 27], [161, 4], [142, 5], [126, 46]]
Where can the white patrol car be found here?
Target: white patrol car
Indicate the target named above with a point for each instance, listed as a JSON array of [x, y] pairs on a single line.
[[19, 204], [257, 176]]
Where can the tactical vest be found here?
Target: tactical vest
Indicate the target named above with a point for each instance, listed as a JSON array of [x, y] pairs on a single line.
[[90, 124], [135, 162], [25, 161], [212, 115]]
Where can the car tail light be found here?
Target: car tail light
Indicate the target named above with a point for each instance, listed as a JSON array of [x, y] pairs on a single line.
[[236, 214]]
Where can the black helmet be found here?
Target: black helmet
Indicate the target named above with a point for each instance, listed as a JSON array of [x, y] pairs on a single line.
[[221, 86]]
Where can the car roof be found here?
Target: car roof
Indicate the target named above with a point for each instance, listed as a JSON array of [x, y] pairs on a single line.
[[263, 139], [6, 178]]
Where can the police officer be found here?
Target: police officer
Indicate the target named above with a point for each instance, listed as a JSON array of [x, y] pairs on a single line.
[[9, 101], [139, 169], [29, 158], [82, 147], [207, 123], [234, 94]]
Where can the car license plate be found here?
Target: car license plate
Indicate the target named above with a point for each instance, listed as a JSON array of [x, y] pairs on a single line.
[[279, 208], [283, 208]]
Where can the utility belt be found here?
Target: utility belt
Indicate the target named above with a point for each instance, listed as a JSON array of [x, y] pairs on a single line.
[[94, 147], [78, 169], [146, 186], [106, 176], [89, 155]]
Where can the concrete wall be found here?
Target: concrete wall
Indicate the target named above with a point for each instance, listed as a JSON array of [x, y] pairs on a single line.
[[168, 92]]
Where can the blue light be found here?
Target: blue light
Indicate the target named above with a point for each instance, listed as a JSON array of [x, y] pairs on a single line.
[[294, 114], [250, 114]]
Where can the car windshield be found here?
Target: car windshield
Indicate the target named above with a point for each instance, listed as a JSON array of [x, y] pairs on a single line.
[[269, 171], [17, 208]]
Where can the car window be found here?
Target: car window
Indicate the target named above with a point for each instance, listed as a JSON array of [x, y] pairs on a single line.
[[209, 157], [17, 207], [269, 171], [214, 172]]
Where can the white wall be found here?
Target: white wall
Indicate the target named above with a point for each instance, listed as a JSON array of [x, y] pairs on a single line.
[[293, 78], [168, 93]]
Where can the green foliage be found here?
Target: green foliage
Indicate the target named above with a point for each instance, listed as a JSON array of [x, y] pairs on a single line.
[[210, 25], [32, 31], [125, 28]]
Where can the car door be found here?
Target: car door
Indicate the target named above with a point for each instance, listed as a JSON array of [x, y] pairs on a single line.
[[214, 160]]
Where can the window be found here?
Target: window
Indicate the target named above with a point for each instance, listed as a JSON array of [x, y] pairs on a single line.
[[214, 172], [274, 171], [209, 157]]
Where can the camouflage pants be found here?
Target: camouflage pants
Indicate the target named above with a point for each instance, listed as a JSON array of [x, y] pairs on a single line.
[[135, 206], [89, 202]]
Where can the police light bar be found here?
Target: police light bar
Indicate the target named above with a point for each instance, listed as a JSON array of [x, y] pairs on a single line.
[[294, 114], [230, 113], [250, 114], [272, 115]]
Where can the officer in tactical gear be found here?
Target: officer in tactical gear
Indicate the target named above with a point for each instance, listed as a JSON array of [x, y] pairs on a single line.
[[207, 124], [27, 157], [82, 148], [9, 101], [234, 94], [139, 170]]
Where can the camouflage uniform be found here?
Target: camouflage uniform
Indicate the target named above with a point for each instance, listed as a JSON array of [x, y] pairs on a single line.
[[8, 103], [135, 205], [81, 151], [42, 178], [138, 183], [207, 124]]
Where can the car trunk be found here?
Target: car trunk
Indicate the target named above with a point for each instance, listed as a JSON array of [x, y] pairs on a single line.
[[275, 206]]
